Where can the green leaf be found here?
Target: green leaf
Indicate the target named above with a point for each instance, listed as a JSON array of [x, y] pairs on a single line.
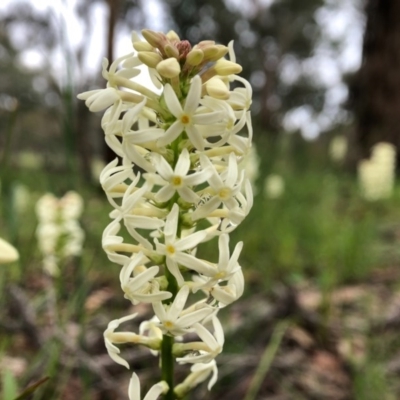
[[9, 385], [30, 389]]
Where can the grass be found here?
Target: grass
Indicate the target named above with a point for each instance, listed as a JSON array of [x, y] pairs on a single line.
[[320, 229]]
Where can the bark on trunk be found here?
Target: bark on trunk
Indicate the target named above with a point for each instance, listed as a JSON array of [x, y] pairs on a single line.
[[376, 87]]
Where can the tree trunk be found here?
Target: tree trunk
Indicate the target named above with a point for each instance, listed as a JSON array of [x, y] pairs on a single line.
[[376, 87], [113, 6]]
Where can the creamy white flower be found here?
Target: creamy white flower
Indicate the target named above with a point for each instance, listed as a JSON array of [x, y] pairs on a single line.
[[111, 125], [186, 117], [338, 148], [114, 351], [274, 186], [131, 201], [241, 98], [99, 99], [171, 316], [242, 144], [71, 205], [145, 133], [47, 235], [199, 373], [384, 153], [251, 164], [74, 239], [227, 266], [219, 129], [142, 287], [138, 155], [21, 197], [376, 178], [151, 329], [50, 265], [113, 178], [47, 208], [113, 244], [8, 253], [153, 394], [377, 175], [223, 187], [58, 233], [230, 292], [189, 144], [177, 180], [128, 71], [214, 343], [175, 249]]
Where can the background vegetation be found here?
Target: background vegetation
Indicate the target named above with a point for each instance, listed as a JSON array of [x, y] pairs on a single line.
[[320, 316]]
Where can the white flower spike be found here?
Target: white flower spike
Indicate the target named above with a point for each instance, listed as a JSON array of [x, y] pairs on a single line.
[[189, 140]]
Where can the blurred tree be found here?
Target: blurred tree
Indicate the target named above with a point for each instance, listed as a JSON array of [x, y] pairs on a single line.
[[26, 91], [266, 34], [375, 89], [120, 13], [17, 81]]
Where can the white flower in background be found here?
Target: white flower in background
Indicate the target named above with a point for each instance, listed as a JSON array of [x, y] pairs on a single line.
[[8, 253], [274, 186], [30, 160], [58, 233], [338, 148], [251, 166], [384, 154], [192, 136], [21, 197], [96, 167], [377, 175]]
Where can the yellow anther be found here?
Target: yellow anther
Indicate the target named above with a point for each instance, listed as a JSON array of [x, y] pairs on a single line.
[[224, 193], [185, 119], [168, 324], [176, 181], [170, 249], [220, 275]]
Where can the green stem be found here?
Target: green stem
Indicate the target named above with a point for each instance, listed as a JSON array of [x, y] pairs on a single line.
[[266, 359], [167, 365], [167, 359]]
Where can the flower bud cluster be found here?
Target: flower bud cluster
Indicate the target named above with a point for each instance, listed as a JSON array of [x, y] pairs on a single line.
[[58, 233], [377, 175], [188, 142]]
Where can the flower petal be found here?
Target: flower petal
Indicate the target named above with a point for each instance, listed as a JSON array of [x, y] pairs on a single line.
[[172, 101], [193, 96], [171, 134], [183, 164], [178, 304]]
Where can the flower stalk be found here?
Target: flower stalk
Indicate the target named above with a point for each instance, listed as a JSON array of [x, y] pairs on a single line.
[[189, 140]]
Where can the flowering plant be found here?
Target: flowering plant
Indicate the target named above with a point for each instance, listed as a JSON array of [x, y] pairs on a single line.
[[8, 253], [58, 233], [377, 174], [188, 140]]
